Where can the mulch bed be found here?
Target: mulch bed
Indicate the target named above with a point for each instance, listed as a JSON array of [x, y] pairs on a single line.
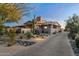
[[25, 43]]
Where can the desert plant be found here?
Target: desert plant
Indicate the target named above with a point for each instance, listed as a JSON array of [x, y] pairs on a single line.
[[12, 37], [77, 42], [28, 34], [12, 12], [73, 25]]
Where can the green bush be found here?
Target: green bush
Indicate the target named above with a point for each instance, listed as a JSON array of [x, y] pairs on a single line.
[[73, 36], [77, 42], [12, 38], [2, 32], [28, 34]]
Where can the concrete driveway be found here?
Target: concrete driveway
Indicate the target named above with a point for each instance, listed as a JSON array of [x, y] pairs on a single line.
[[57, 45]]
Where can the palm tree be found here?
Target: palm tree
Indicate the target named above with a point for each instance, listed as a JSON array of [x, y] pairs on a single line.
[[11, 12]]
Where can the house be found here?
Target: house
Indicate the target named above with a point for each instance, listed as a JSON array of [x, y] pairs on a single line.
[[42, 26]]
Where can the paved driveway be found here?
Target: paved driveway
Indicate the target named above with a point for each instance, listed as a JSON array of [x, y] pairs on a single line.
[[57, 45]]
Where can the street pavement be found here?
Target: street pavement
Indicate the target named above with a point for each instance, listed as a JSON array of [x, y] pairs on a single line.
[[57, 45]]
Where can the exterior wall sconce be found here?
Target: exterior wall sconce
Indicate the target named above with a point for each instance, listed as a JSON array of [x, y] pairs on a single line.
[[45, 27]]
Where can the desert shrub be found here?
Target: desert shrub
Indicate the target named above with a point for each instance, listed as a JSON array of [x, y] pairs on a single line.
[[12, 40], [28, 34], [77, 42], [73, 36]]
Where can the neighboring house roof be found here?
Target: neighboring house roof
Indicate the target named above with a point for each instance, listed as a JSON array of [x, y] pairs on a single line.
[[56, 23], [28, 22]]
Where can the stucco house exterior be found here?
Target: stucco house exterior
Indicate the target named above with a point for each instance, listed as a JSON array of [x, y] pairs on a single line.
[[41, 26]]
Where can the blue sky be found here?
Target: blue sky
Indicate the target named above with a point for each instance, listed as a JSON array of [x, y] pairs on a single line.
[[52, 11]]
